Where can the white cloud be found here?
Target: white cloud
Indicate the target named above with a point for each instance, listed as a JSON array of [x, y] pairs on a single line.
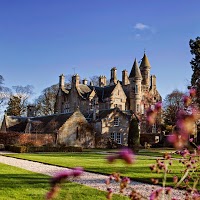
[[141, 26]]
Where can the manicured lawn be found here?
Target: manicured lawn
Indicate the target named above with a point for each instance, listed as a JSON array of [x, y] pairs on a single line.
[[20, 184], [96, 162]]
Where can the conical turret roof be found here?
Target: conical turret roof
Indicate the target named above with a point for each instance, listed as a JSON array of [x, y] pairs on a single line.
[[135, 71], [145, 62]]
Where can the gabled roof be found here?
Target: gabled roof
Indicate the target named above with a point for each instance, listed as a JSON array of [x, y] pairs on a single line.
[[41, 124], [84, 90], [145, 62], [103, 92], [135, 71]]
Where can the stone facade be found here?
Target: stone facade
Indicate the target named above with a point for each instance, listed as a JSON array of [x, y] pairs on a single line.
[[71, 129], [136, 93]]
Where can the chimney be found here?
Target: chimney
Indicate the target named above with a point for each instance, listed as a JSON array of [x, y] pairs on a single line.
[[75, 80], [153, 82], [31, 111], [61, 81], [84, 81], [102, 81], [125, 80], [113, 78]]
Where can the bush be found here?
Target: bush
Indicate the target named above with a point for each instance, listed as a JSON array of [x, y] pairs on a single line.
[[16, 149]]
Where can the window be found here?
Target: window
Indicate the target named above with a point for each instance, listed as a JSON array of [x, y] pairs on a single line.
[[154, 128], [116, 121], [136, 88], [116, 137], [112, 136], [142, 109], [66, 109], [138, 108]]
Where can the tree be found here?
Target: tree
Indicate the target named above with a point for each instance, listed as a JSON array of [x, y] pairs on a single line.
[[172, 104], [19, 100], [14, 107], [195, 64], [133, 135], [46, 101], [4, 91]]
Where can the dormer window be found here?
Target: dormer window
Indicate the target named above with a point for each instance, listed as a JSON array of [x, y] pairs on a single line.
[[116, 121]]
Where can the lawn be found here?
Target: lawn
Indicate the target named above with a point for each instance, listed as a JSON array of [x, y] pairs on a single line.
[[20, 184], [95, 162]]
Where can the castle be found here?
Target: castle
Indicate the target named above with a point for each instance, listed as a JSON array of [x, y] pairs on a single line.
[[91, 116], [134, 94]]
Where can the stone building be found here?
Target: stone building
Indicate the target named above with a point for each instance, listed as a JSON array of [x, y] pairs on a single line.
[[135, 93], [71, 129]]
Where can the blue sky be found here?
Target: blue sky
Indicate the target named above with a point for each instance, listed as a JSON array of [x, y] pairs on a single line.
[[41, 39]]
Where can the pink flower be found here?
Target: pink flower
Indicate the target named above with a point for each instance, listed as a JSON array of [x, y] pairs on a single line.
[[77, 171], [59, 177], [193, 92], [151, 116], [187, 100], [191, 139], [158, 106], [124, 154]]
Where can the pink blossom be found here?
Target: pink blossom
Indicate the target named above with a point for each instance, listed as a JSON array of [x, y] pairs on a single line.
[[191, 139], [124, 154], [187, 100], [158, 106], [77, 171], [193, 92]]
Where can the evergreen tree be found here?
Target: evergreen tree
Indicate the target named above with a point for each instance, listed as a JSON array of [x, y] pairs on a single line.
[[14, 106], [195, 64], [134, 135]]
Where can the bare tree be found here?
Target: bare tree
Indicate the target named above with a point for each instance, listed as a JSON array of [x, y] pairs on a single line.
[[4, 92], [46, 101], [19, 100], [172, 104]]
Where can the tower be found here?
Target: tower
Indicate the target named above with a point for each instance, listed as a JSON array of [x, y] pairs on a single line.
[[145, 72], [135, 79]]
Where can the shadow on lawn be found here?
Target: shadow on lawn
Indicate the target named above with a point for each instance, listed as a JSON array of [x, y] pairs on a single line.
[[16, 180]]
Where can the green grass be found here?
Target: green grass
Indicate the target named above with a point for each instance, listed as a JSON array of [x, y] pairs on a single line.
[[95, 162], [19, 184]]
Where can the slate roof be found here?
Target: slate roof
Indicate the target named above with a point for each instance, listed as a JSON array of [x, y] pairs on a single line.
[[145, 62], [84, 90], [41, 124], [104, 113], [103, 92], [135, 71]]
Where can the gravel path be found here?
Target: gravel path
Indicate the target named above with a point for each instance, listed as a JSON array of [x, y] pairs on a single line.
[[90, 179]]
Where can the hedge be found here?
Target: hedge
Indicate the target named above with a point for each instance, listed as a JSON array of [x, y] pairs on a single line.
[[32, 149]]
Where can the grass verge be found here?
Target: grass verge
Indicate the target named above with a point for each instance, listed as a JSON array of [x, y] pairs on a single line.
[[21, 184], [95, 162]]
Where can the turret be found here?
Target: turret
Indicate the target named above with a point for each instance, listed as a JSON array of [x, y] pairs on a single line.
[[145, 71], [113, 78], [135, 78]]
